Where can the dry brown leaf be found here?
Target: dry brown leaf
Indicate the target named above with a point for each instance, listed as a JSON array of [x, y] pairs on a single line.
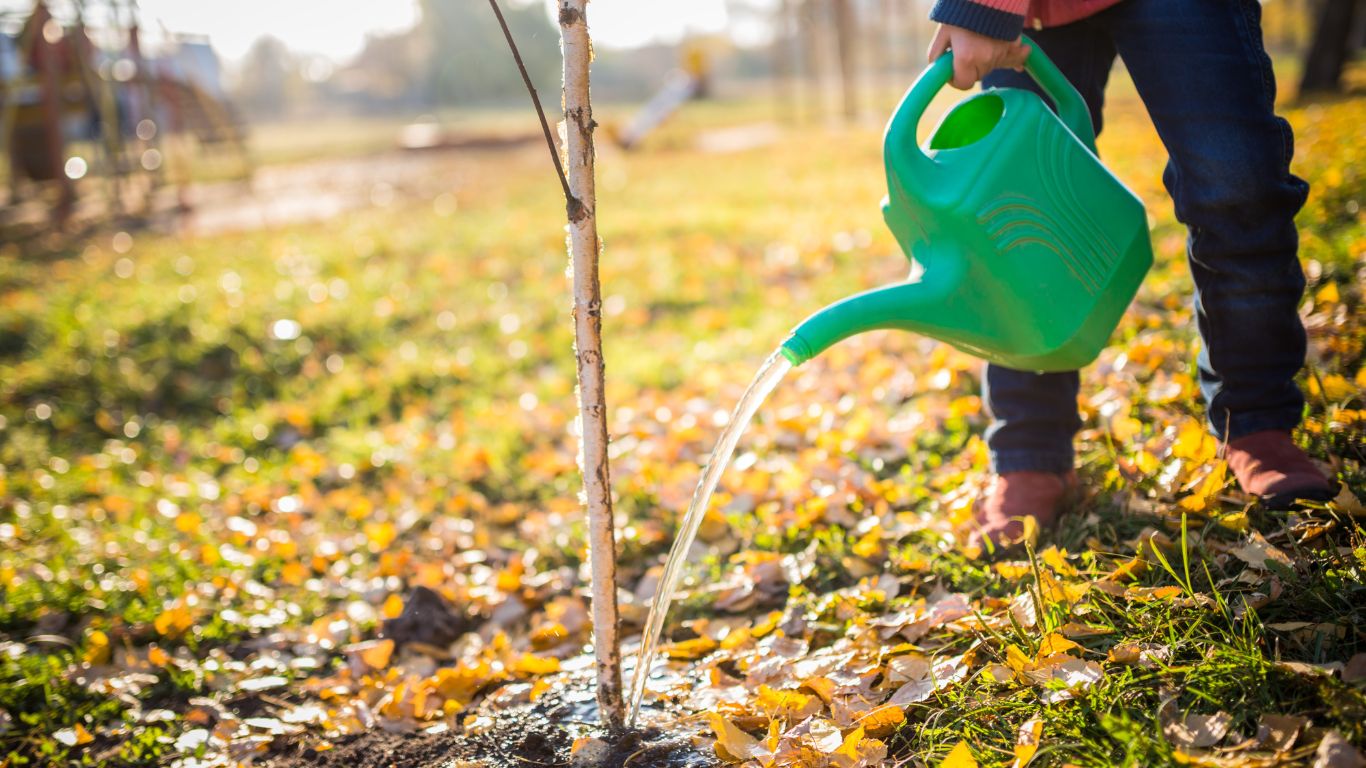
[[825, 736], [1218, 760], [912, 666], [1204, 730], [941, 675], [1024, 609], [1140, 654], [1290, 626], [1256, 551], [1307, 668], [588, 751], [1279, 732], [1067, 679], [1349, 503], [998, 673], [1073, 630], [1354, 669], [1198, 731], [1336, 752]]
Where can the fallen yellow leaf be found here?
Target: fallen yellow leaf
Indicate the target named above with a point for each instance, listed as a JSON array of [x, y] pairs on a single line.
[[959, 757], [97, 648], [695, 648], [530, 664], [1206, 495], [380, 535], [375, 654], [1054, 643], [732, 744], [790, 706], [1031, 734], [883, 720], [294, 573], [74, 736]]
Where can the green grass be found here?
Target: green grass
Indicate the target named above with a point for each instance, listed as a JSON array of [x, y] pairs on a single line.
[[206, 440]]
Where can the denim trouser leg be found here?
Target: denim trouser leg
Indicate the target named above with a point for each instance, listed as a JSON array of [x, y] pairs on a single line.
[[1034, 415], [1205, 78], [1203, 74]]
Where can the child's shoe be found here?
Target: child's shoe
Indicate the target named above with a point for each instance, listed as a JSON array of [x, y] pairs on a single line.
[[1271, 467], [999, 516]]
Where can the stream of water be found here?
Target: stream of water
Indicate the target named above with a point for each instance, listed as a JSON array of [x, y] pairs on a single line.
[[770, 373]]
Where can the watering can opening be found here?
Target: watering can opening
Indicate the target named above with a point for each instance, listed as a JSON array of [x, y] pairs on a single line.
[[969, 122], [1031, 249]]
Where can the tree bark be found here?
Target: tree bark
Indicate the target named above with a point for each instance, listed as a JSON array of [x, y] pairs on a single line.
[[584, 248], [1330, 49], [810, 20], [50, 96], [882, 31], [844, 38], [783, 68]]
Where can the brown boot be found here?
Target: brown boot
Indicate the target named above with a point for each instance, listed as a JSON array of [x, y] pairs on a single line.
[[999, 517], [1271, 467]]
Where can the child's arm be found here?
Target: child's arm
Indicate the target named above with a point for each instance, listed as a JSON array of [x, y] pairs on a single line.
[[983, 34]]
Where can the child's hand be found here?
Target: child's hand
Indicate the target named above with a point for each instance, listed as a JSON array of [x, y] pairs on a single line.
[[975, 55]]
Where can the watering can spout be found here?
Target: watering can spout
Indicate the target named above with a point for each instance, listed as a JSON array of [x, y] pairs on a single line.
[[923, 306], [1030, 249]]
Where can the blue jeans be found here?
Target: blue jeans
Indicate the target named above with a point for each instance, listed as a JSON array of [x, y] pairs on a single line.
[[1202, 72]]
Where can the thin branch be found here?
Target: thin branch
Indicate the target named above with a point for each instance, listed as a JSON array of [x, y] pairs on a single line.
[[572, 204]]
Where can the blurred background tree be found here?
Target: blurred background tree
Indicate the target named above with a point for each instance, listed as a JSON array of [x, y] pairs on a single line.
[[468, 62], [269, 77]]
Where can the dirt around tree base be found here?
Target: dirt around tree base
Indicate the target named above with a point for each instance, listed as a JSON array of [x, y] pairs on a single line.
[[541, 734]]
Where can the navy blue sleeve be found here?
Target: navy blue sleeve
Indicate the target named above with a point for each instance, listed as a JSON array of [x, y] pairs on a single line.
[[979, 18]]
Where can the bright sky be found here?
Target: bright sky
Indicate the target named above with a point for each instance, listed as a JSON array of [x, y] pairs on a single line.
[[337, 28]]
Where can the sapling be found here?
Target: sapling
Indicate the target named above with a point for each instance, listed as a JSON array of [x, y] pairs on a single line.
[[584, 248]]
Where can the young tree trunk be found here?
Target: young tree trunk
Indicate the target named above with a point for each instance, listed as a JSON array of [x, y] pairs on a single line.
[[584, 248]]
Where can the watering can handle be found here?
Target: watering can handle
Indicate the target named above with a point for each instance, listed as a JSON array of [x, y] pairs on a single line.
[[1071, 107]]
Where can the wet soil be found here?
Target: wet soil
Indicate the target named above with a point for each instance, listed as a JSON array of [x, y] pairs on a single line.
[[527, 734]]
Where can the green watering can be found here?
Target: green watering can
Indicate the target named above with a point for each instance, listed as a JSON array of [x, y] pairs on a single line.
[[1030, 250]]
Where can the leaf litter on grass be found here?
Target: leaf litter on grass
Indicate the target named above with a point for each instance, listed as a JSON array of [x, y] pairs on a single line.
[[221, 544]]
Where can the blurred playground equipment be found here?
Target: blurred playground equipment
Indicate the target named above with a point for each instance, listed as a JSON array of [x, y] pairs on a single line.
[[692, 80], [80, 98]]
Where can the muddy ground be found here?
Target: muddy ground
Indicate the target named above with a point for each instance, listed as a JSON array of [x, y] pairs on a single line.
[[534, 734]]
